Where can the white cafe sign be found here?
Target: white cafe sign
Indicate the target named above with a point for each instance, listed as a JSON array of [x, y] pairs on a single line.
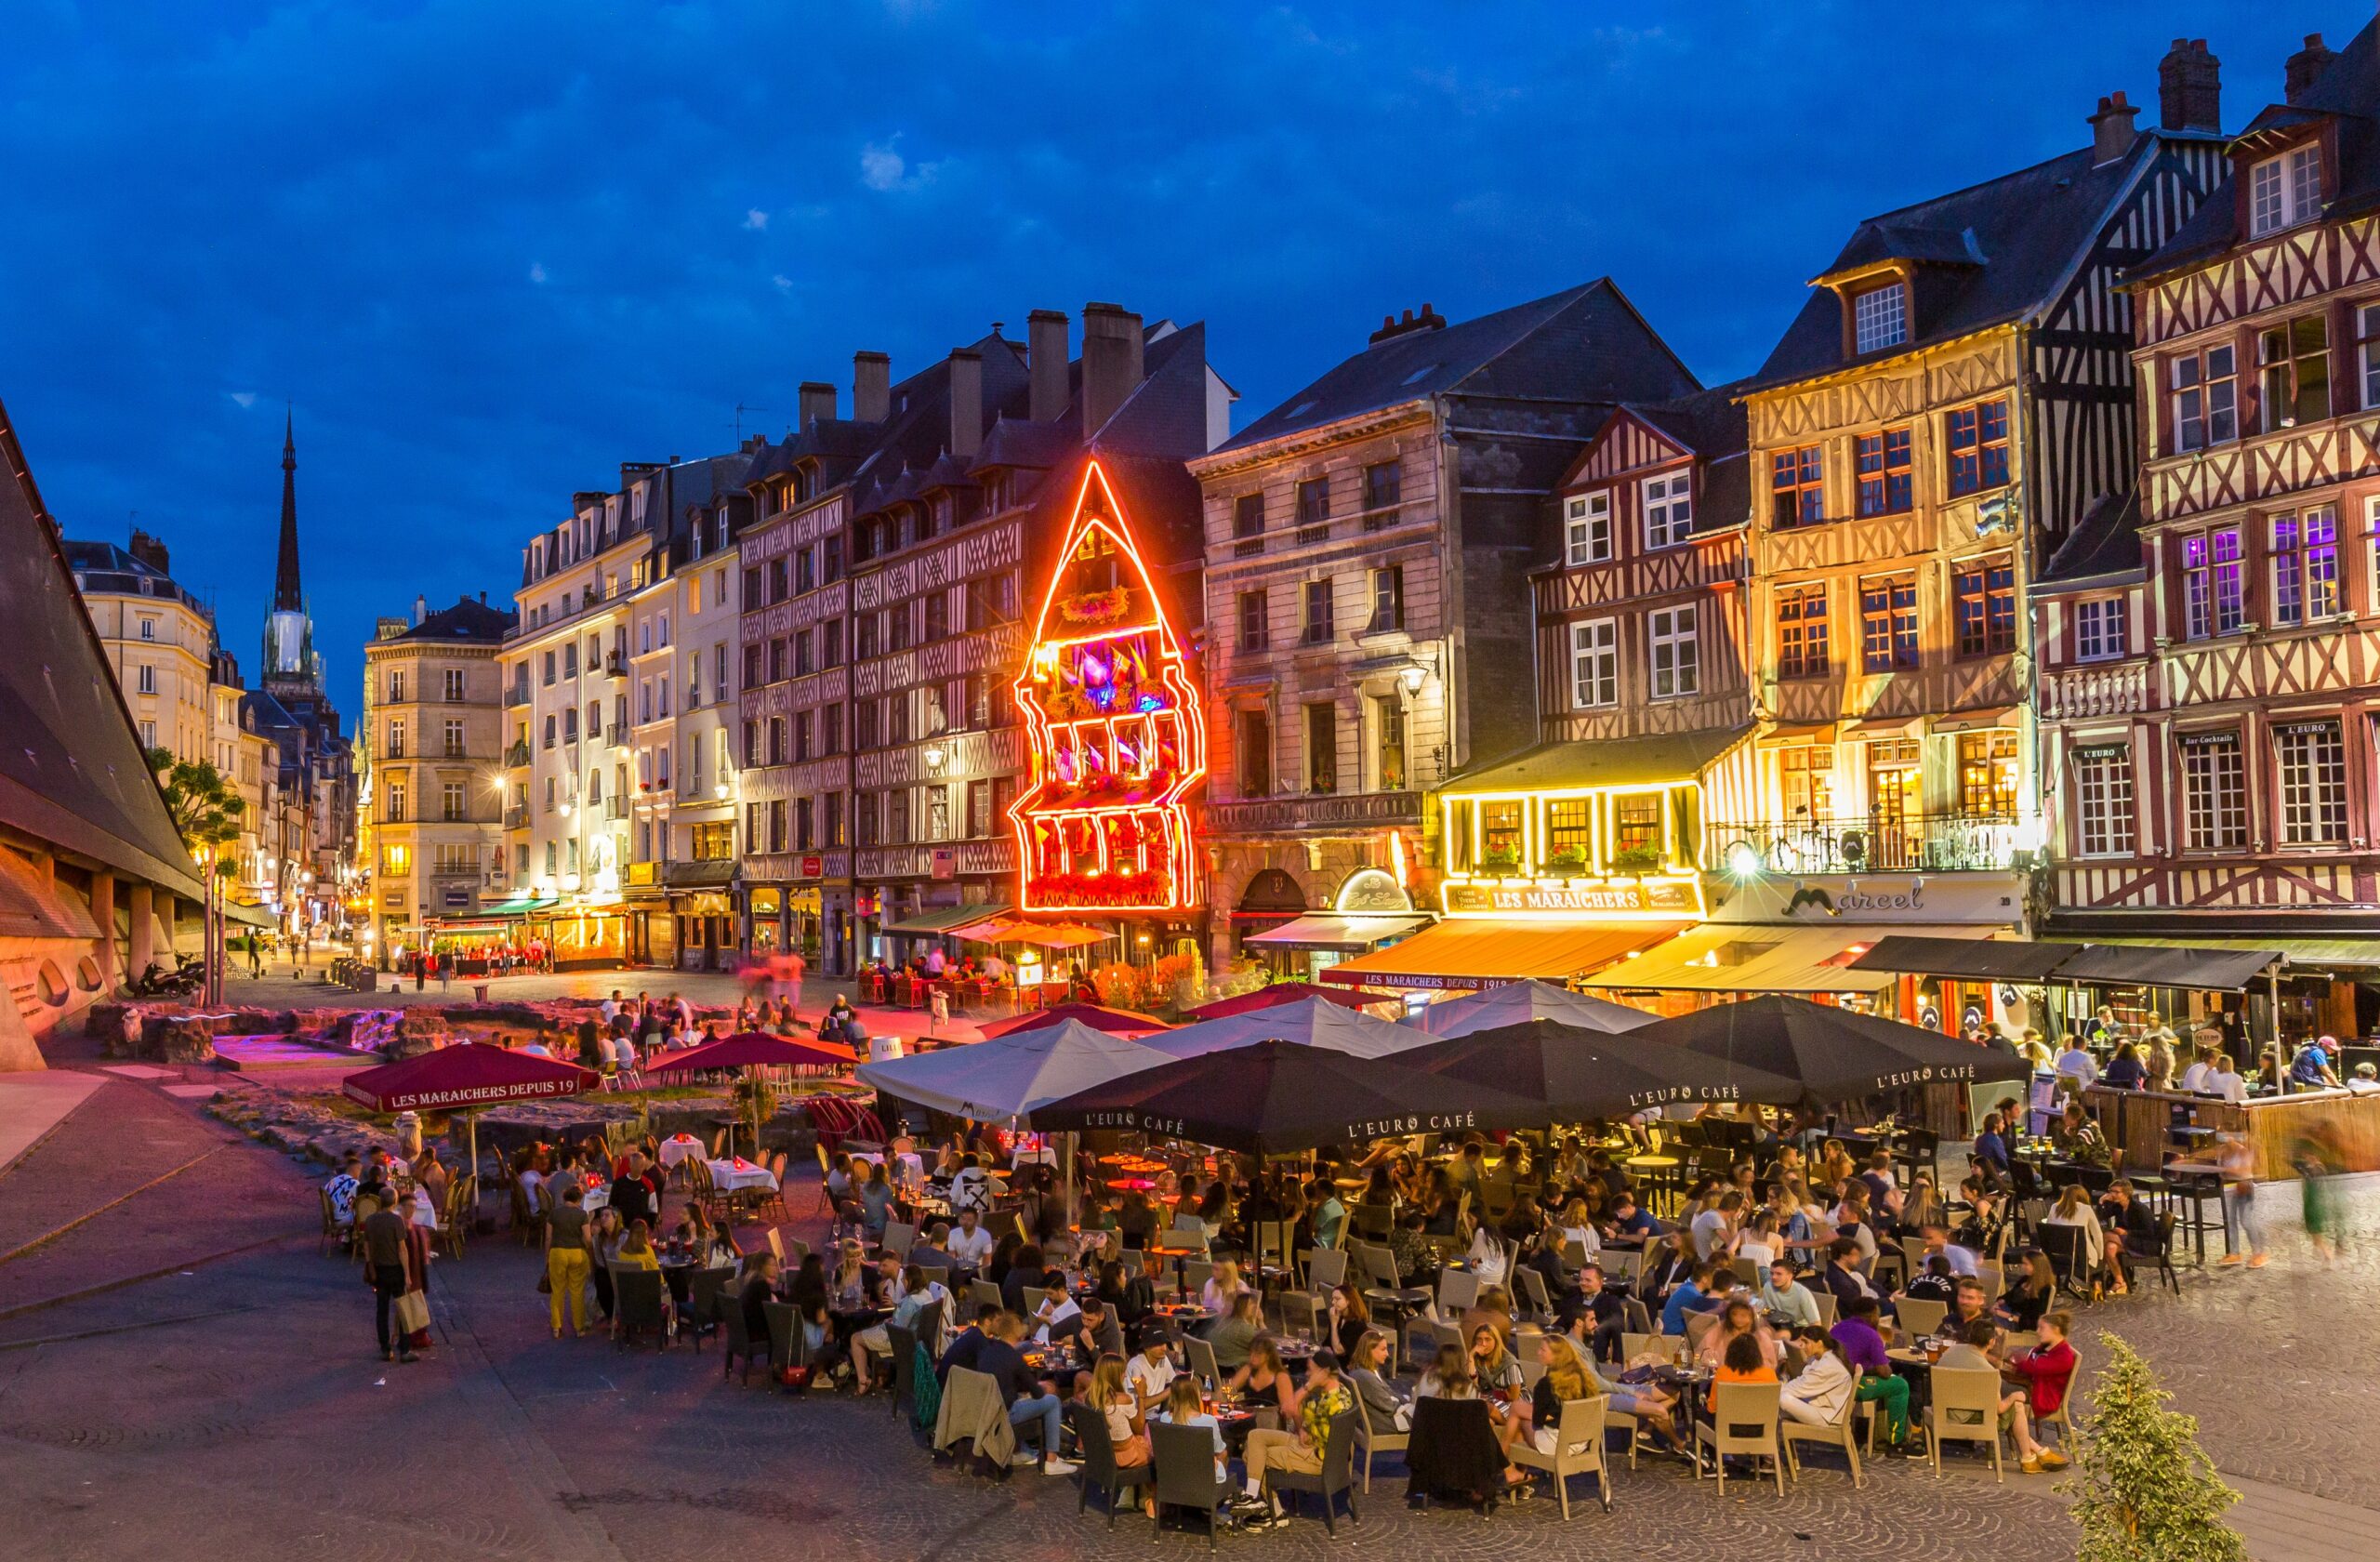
[[1598, 897]]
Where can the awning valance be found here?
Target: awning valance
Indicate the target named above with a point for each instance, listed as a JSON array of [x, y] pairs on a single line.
[[943, 918], [1485, 952], [2151, 964], [1975, 960], [1323, 930], [522, 907], [1756, 958]]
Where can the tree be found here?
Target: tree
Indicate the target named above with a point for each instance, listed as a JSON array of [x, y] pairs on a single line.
[[205, 807], [2143, 1489]]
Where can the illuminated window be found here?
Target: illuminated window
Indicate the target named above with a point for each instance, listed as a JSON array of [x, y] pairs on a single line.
[[2213, 600], [2305, 567], [1570, 826], [1635, 822], [396, 859], [1988, 775], [1805, 783]]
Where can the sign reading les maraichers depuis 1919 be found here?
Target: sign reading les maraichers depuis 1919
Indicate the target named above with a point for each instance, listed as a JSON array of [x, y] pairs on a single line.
[[1610, 897]]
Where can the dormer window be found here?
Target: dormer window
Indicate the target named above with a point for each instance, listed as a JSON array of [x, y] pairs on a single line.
[[2284, 191], [1880, 318]]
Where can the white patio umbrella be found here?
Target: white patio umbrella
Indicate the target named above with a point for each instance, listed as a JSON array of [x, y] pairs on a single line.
[[1313, 1022], [1006, 1076], [1516, 1002]]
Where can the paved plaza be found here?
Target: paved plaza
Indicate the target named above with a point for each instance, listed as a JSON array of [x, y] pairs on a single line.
[[181, 1373]]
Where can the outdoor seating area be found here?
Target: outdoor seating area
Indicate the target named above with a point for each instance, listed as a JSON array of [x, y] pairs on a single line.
[[1233, 1273]]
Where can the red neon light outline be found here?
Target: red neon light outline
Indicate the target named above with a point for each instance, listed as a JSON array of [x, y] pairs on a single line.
[[1181, 871]]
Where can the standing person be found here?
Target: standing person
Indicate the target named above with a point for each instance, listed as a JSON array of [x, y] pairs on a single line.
[[2243, 1225], [383, 1236], [566, 1266], [2315, 1172]]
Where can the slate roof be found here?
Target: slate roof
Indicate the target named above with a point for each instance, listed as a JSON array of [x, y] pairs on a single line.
[[2105, 545], [70, 767], [104, 567], [1983, 256], [1586, 343], [467, 620], [2348, 91]]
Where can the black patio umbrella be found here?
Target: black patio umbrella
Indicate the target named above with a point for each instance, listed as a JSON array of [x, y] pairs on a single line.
[[1836, 1055], [1579, 1073], [1281, 1097]]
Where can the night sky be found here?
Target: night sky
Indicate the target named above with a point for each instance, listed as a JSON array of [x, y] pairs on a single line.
[[491, 248]]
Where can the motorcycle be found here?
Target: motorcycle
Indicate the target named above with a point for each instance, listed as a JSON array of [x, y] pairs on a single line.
[[183, 981]]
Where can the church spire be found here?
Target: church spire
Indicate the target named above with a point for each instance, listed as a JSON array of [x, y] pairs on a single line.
[[287, 595]]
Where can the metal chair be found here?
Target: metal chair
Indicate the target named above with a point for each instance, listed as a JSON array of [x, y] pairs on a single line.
[[705, 1290], [635, 1300], [740, 1344]]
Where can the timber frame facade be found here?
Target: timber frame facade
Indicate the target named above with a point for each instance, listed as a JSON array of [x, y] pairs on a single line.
[[2215, 768], [1952, 403]]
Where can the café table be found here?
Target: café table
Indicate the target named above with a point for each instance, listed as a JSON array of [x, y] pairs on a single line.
[[682, 1147], [595, 1196], [1659, 1172], [1915, 1365], [737, 1175], [1179, 1255]]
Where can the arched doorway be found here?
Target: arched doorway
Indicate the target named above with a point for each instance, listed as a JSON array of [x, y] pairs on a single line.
[[1271, 898]]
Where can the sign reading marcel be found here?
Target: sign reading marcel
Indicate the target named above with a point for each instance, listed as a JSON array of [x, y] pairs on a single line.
[[1600, 897], [1818, 899]]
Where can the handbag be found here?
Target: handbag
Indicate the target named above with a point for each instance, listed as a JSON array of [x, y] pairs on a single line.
[[545, 1282], [412, 1311]]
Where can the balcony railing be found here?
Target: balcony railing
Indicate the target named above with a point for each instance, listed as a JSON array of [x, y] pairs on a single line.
[[616, 806], [1294, 813], [516, 695], [2090, 692], [1912, 843], [518, 754], [517, 817]]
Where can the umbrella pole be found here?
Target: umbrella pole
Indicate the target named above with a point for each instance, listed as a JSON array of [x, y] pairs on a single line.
[[1066, 1156], [472, 1119]]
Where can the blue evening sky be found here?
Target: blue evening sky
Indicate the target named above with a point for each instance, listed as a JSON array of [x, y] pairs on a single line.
[[492, 248]]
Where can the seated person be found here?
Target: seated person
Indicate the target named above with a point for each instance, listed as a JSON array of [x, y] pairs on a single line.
[[1595, 1318], [2042, 1373], [1231, 1336], [1822, 1392], [1863, 1348], [1783, 1294], [1933, 1282], [1389, 1403], [1029, 1402], [1151, 1372]]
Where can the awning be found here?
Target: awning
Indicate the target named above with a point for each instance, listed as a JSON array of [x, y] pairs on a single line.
[[1482, 953], [1976, 721], [943, 918], [1604, 763], [2153, 963], [1323, 930], [1760, 959], [1972, 959], [522, 906]]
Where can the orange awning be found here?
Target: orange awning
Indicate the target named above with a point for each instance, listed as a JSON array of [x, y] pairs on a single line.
[[1487, 952]]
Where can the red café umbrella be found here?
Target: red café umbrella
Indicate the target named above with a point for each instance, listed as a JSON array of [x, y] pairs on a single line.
[[1273, 997], [1116, 1021], [758, 1049], [467, 1073]]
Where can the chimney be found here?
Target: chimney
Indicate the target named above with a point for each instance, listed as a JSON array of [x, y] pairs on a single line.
[[1111, 361], [149, 551], [966, 401], [817, 401], [1046, 334], [482, 599], [420, 610], [2306, 67], [871, 387], [1428, 320], [2190, 87], [2111, 131]]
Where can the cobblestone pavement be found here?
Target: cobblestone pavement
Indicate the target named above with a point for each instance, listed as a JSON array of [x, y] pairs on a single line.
[[241, 1409]]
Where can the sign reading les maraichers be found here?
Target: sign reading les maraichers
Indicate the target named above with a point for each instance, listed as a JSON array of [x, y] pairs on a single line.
[[1604, 897]]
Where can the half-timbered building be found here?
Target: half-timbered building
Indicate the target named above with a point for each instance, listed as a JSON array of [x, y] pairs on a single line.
[[2211, 668], [1951, 402]]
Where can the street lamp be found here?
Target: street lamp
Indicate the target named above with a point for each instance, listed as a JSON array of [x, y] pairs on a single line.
[[935, 757]]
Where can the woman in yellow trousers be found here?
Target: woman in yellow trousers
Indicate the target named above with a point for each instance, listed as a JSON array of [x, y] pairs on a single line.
[[566, 1262]]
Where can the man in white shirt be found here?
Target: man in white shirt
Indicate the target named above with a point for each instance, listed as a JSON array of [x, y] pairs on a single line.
[[937, 961], [610, 1008], [970, 1245], [971, 1188], [342, 1191], [2197, 1079], [1151, 1372], [1057, 1309], [2078, 1065]]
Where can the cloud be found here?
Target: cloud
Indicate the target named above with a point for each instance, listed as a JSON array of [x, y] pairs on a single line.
[[756, 221], [784, 282], [881, 167], [537, 271], [246, 398]]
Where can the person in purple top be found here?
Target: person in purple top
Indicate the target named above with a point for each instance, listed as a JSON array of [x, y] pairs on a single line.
[[1863, 1347]]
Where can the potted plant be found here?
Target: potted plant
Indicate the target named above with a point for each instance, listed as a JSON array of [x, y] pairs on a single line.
[[1500, 861], [2142, 1487], [1638, 860], [1567, 863]]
